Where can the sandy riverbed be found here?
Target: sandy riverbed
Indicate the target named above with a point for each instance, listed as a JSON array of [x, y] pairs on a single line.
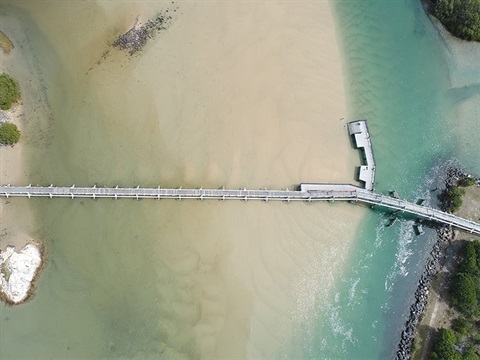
[[234, 94]]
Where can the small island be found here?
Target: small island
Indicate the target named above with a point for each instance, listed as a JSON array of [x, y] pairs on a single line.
[[460, 17], [18, 271]]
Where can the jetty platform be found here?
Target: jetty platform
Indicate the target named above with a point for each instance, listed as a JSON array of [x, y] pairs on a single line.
[[359, 130]]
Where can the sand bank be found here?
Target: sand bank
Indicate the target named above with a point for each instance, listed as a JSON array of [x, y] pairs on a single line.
[[255, 98], [234, 94], [5, 43], [17, 220], [20, 268]]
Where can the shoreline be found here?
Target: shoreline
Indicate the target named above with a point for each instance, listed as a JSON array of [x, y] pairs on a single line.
[[17, 219], [460, 65], [427, 300]]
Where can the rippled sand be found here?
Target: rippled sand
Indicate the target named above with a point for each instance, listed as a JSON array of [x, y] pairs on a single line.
[[235, 94]]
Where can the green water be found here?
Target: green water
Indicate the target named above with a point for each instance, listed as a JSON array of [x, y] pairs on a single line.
[[398, 79]]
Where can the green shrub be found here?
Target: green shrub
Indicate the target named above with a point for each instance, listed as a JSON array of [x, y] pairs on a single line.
[[476, 244], [9, 134], [461, 326], [470, 354], [460, 17], [453, 196], [468, 265], [468, 181], [9, 92], [464, 293], [444, 346]]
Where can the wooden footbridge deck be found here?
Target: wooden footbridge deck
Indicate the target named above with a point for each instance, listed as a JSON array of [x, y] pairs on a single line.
[[306, 192]]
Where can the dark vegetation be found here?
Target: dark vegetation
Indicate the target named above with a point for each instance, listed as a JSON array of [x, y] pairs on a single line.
[[9, 92], [451, 197], [467, 181], [460, 17], [9, 134], [462, 341]]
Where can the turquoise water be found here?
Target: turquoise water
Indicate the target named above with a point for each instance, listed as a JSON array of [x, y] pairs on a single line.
[[398, 79]]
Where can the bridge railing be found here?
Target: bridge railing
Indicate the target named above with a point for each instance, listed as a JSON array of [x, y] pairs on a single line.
[[330, 193]]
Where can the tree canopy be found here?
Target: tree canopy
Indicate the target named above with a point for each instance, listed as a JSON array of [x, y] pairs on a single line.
[[9, 92], [444, 347], [453, 197], [9, 134], [468, 181], [460, 17], [464, 293], [460, 342]]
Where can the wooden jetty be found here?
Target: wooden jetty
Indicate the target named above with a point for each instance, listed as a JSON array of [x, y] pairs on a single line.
[[306, 192]]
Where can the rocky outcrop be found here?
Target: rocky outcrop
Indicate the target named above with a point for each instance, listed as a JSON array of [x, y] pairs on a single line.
[[18, 271], [137, 37]]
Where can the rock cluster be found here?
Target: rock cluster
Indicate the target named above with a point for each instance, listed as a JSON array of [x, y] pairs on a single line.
[[444, 235], [137, 37], [17, 272], [453, 175]]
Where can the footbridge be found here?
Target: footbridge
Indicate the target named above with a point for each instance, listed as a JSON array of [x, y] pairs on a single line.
[[357, 129], [305, 192]]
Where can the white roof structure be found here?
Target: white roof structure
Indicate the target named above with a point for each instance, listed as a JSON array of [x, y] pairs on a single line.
[[359, 130]]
